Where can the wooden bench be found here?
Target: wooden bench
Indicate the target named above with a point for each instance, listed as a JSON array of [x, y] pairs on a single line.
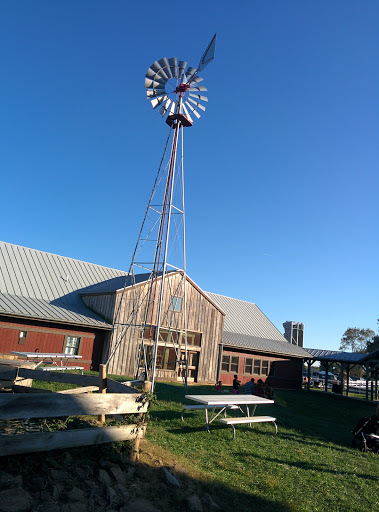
[[249, 420], [202, 407], [62, 368]]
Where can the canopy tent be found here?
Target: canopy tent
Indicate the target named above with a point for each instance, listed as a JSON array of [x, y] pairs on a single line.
[[345, 361]]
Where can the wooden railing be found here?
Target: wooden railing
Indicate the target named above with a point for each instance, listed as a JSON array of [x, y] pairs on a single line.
[[27, 402]]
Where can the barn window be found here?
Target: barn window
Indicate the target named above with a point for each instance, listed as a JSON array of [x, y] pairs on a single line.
[[257, 366], [234, 364], [265, 367], [225, 363], [22, 337], [230, 364], [193, 339], [248, 366], [72, 345], [176, 304], [166, 358]]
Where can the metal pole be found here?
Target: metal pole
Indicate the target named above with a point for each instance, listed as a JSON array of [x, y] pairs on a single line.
[[166, 211], [184, 273]]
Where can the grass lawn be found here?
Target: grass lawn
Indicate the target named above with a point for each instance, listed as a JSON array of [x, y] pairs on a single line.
[[308, 466]]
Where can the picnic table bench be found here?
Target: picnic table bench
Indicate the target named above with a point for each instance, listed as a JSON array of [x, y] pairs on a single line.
[[55, 361], [249, 420], [62, 368]]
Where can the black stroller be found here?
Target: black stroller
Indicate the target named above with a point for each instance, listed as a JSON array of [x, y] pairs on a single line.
[[366, 434]]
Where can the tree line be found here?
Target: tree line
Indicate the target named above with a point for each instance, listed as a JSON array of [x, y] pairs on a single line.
[[359, 340]]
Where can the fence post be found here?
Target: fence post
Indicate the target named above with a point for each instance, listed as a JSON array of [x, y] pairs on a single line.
[[146, 386], [102, 386], [134, 456]]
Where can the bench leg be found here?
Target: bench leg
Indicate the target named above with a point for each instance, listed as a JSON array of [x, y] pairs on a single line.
[[207, 421], [276, 428], [182, 414], [234, 432]]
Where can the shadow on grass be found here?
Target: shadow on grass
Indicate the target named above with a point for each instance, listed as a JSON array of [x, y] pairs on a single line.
[[320, 467], [299, 438]]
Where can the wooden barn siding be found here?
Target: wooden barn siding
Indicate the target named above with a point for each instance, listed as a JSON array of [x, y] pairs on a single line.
[[202, 317], [48, 339], [288, 372]]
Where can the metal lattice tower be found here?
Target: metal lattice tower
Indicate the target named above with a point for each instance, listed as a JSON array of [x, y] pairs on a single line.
[[147, 311]]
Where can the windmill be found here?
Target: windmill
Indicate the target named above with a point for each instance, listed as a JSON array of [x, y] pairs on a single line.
[[148, 305]]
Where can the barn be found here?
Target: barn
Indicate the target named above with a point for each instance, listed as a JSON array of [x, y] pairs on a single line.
[[52, 303]]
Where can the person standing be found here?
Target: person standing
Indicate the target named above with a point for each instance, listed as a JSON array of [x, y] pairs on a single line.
[[236, 385]]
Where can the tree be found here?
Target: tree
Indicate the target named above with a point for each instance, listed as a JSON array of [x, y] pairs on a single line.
[[374, 343], [356, 340]]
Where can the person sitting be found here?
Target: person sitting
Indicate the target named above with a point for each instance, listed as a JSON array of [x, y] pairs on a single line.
[[249, 388], [269, 392], [259, 390], [219, 386]]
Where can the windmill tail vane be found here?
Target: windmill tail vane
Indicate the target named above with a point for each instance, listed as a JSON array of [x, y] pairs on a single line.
[[150, 323]]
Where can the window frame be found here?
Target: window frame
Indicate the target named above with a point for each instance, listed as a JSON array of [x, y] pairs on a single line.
[[246, 365], [22, 339], [175, 300], [263, 367], [231, 364], [66, 347], [226, 356], [255, 364]]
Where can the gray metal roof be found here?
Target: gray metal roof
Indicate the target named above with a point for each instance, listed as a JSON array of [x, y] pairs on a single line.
[[341, 357], [47, 286], [245, 326]]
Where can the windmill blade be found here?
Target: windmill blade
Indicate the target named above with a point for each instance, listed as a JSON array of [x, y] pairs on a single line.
[[155, 84], [159, 101], [193, 110], [198, 105], [208, 55], [158, 76], [157, 69], [202, 98], [182, 67], [165, 67], [164, 109], [196, 80], [173, 67], [187, 114], [155, 93], [150, 73], [172, 109], [200, 88]]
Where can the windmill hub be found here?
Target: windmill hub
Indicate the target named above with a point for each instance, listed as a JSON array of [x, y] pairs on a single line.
[[183, 88]]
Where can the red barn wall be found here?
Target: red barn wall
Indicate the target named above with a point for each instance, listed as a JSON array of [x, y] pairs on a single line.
[[284, 372], [50, 338]]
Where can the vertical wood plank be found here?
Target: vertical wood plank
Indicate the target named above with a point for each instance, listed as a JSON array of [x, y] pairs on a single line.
[[102, 386]]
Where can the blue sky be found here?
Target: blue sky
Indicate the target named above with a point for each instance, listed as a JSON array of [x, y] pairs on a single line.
[[281, 171]]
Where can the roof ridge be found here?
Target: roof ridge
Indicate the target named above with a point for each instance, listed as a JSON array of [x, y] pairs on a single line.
[[233, 298]]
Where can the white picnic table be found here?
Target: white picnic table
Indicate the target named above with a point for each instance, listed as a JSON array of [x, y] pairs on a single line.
[[57, 360], [223, 403]]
